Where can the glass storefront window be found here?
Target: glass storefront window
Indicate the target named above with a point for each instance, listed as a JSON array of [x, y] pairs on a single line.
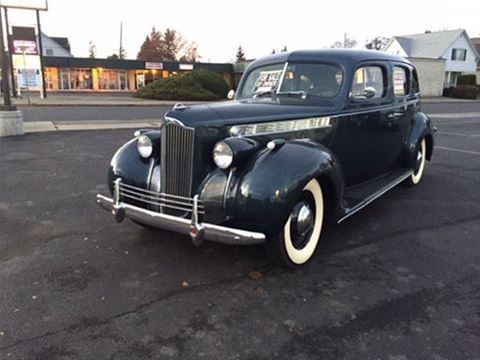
[[75, 79], [112, 79]]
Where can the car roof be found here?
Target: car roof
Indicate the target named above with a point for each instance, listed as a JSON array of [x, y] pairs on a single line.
[[343, 56]]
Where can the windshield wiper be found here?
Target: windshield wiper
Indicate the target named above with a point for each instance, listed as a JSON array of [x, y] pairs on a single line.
[[264, 93], [301, 93]]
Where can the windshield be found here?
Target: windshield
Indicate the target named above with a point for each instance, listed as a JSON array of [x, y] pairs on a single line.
[[302, 80]]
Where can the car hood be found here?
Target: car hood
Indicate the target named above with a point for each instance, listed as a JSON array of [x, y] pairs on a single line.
[[243, 112]]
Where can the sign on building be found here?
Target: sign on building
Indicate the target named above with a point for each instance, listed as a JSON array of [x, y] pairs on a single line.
[[185, 67], [153, 65]]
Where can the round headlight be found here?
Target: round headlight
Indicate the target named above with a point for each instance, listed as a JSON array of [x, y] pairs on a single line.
[[144, 146], [222, 155]]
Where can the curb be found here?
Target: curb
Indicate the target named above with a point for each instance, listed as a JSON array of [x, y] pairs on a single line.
[[54, 126]]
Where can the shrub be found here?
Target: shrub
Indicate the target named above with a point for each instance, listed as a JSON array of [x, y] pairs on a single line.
[[212, 82], [447, 91], [196, 85], [467, 79], [465, 92]]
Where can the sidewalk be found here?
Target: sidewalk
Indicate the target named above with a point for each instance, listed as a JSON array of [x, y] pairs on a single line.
[[91, 99]]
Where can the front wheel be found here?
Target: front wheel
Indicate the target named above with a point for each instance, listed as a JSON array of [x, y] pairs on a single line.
[[415, 178], [299, 237]]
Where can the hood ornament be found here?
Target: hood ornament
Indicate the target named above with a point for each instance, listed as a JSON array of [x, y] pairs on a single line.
[[170, 120]]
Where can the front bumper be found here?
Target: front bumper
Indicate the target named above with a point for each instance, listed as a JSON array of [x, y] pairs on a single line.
[[197, 231]]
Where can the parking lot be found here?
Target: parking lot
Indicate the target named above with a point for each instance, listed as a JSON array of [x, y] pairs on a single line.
[[400, 280]]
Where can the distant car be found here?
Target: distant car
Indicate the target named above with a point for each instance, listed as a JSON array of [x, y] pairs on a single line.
[[309, 133]]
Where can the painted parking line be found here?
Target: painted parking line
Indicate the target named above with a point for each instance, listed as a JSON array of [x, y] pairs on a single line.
[[470, 152], [454, 115], [458, 134]]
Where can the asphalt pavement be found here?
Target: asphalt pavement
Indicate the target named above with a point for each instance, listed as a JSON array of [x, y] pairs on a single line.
[[400, 280]]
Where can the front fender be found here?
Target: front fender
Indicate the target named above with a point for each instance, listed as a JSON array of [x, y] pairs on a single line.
[[266, 190], [127, 163], [422, 128]]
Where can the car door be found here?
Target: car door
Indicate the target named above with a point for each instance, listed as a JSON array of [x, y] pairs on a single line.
[[368, 141]]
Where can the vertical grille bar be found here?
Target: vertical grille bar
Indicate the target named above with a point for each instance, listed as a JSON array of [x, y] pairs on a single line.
[[177, 159]]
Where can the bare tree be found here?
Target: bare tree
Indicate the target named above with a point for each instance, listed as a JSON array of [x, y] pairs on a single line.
[[377, 43], [346, 43]]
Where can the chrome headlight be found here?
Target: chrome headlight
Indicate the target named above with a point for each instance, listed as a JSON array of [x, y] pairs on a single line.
[[144, 146], [222, 155]]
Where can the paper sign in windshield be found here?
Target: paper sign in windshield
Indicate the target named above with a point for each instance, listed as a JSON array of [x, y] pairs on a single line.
[[267, 81]]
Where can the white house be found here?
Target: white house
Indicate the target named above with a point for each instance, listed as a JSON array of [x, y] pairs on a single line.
[[452, 47]]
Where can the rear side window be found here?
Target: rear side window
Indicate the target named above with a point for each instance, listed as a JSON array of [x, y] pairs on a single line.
[[367, 78], [401, 81]]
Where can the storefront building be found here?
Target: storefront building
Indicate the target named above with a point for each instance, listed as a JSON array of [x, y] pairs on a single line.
[[86, 74]]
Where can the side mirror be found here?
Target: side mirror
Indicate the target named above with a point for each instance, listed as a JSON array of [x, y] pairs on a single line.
[[231, 94], [369, 92]]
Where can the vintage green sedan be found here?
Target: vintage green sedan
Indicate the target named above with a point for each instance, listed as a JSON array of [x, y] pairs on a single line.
[[308, 135]]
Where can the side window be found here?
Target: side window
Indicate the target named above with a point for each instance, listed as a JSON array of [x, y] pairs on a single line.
[[366, 79], [401, 81], [415, 83]]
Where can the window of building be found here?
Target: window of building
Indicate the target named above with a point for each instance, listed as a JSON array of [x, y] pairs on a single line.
[[49, 52], [400, 81], [369, 77], [459, 54], [75, 79], [49, 78], [112, 79]]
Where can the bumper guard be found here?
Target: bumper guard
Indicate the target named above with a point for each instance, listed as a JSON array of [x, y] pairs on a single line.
[[197, 231]]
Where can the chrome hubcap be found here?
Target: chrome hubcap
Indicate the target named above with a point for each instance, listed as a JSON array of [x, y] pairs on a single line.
[[304, 219], [419, 160]]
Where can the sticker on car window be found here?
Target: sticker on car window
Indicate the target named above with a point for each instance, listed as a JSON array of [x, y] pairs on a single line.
[[267, 81]]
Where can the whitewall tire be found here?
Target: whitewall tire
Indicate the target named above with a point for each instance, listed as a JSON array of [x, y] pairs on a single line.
[[299, 237], [415, 178]]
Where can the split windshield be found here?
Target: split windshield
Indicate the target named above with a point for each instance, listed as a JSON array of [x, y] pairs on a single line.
[[297, 80]]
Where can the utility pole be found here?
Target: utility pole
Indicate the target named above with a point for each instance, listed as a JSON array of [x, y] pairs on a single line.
[[7, 103], [120, 50], [345, 39], [43, 92], [10, 53]]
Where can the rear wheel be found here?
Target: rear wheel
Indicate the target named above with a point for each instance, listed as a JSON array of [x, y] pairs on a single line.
[[415, 178], [297, 242]]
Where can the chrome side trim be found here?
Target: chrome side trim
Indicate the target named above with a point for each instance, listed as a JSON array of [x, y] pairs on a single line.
[[212, 232], [375, 196], [236, 130], [273, 127]]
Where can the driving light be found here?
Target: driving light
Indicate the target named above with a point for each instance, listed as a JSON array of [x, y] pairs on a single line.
[[144, 146], [222, 155]]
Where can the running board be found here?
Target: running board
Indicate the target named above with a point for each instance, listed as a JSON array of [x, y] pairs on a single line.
[[375, 196]]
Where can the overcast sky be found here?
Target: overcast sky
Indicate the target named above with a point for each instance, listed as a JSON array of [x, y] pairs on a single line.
[[218, 27]]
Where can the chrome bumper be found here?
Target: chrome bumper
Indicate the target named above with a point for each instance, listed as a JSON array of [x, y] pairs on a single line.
[[197, 231]]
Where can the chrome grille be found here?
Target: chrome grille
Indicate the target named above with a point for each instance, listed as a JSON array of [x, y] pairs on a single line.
[[177, 159], [157, 201]]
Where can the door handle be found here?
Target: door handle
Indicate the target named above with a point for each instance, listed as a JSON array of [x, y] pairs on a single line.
[[394, 115]]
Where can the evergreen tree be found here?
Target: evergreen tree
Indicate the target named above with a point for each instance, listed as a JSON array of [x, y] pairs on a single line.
[[240, 56]]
